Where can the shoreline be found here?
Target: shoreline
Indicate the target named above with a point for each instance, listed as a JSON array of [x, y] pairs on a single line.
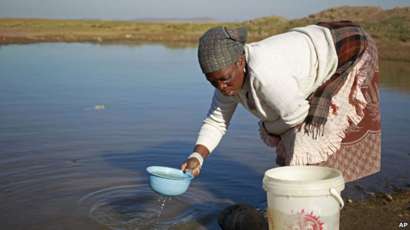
[[399, 53], [390, 29], [377, 211]]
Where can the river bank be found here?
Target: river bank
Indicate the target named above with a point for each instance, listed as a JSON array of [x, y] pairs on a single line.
[[390, 28], [379, 211]]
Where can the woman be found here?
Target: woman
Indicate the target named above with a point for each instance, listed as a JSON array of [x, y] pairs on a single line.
[[314, 89]]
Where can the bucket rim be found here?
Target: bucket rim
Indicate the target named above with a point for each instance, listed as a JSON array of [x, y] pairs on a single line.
[[308, 187], [339, 174]]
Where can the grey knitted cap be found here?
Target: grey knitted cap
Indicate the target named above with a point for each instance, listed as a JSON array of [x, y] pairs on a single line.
[[220, 47]]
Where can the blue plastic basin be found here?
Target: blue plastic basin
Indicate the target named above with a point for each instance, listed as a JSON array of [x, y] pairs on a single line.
[[168, 181]]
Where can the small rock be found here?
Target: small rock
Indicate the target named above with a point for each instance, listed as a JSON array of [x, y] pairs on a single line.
[[128, 36], [372, 194], [99, 39], [349, 201], [388, 196]]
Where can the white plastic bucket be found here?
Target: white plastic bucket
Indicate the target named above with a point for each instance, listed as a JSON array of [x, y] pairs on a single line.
[[303, 197]]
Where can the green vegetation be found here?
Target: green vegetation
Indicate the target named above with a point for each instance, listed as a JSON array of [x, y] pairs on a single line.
[[390, 28]]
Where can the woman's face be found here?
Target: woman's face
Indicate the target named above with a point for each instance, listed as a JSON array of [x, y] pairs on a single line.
[[229, 80]]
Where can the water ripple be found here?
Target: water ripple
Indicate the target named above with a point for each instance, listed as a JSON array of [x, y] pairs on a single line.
[[138, 207]]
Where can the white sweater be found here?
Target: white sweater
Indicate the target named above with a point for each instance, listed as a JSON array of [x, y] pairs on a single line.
[[283, 70]]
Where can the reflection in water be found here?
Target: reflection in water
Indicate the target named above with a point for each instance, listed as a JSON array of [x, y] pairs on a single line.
[[395, 75]]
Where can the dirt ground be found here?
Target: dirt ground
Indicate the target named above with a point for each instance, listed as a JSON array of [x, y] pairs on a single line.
[[378, 212]]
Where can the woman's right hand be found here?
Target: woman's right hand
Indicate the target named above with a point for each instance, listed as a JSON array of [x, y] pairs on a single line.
[[195, 160], [192, 164]]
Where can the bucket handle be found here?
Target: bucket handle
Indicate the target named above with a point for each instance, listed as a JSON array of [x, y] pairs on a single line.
[[337, 196]]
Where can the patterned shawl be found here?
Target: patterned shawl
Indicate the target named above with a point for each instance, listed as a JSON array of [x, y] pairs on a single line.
[[350, 42]]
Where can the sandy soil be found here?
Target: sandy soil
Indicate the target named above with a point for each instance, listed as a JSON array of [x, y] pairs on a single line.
[[380, 211]]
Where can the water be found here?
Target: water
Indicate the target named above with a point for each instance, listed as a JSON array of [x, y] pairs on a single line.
[[163, 201], [79, 123]]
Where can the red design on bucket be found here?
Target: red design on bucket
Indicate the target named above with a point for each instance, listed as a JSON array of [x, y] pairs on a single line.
[[307, 221]]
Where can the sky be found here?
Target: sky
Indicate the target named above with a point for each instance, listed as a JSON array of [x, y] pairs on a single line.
[[223, 10]]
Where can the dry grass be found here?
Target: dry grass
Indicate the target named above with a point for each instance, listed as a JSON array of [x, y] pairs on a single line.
[[390, 28]]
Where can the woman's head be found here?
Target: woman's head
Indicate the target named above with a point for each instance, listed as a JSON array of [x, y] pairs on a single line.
[[221, 57]]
